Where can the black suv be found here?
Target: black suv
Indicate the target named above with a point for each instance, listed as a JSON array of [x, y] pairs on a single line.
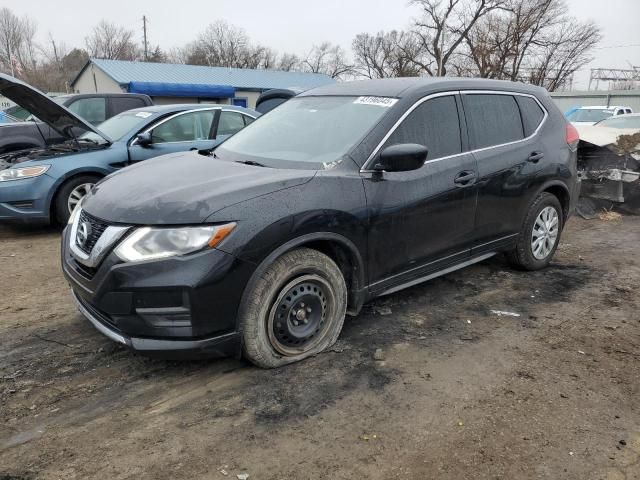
[[94, 108], [341, 194]]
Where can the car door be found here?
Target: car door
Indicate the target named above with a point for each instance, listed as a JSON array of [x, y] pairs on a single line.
[[509, 156], [191, 130], [422, 220]]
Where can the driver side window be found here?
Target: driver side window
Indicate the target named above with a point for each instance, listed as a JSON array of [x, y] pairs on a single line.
[[187, 127], [433, 124]]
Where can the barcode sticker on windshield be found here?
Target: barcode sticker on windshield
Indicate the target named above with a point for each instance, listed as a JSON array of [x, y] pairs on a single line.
[[377, 101], [143, 114]]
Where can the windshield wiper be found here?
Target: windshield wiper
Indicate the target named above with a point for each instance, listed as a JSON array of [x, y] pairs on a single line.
[[81, 139], [250, 162]]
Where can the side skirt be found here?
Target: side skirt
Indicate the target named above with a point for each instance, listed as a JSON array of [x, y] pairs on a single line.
[[439, 273]]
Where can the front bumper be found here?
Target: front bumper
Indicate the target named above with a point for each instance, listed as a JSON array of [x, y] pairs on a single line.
[[26, 200], [179, 306], [217, 346]]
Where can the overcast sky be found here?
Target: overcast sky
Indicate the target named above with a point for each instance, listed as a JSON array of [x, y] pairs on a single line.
[[295, 25]]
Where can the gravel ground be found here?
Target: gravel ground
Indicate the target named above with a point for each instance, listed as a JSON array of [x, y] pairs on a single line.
[[456, 390]]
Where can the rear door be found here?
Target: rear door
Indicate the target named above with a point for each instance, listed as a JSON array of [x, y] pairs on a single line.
[[509, 157], [181, 132], [422, 220]]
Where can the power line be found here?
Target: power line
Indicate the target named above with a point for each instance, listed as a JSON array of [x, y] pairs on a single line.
[[618, 46]]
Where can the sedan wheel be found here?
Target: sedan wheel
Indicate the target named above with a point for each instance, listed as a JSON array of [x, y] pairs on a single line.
[[78, 194]]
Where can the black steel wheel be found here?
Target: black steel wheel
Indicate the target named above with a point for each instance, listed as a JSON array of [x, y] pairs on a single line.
[[297, 317], [292, 310]]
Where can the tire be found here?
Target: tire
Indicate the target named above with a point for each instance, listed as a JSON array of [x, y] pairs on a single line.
[[61, 202], [525, 256], [293, 309]]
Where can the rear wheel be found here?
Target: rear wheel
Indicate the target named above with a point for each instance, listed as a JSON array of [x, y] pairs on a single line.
[[540, 234], [293, 310], [70, 195]]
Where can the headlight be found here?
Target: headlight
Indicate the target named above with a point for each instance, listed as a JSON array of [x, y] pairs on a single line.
[[149, 243], [22, 172]]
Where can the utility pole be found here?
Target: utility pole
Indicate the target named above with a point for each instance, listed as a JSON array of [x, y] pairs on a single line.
[[144, 35]]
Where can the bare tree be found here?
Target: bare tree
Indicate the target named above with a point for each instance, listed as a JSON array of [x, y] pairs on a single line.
[[18, 50], [391, 54], [562, 53], [530, 40], [288, 62], [221, 45], [328, 59], [443, 26], [107, 40]]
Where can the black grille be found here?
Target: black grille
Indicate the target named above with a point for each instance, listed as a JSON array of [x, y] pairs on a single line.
[[97, 228]]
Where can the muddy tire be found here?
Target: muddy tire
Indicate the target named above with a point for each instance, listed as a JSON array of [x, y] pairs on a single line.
[[69, 194], [540, 234], [293, 309]]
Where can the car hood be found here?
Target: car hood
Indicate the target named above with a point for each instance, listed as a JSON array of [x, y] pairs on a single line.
[[183, 188], [56, 116]]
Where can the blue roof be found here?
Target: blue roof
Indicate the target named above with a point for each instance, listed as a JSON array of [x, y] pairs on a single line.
[[124, 72]]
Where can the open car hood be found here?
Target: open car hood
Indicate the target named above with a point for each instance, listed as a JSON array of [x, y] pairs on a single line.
[[56, 116]]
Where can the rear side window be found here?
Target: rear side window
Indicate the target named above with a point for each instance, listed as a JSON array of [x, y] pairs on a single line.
[[230, 123], [433, 124], [122, 104], [93, 110], [531, 112], [492, 119]]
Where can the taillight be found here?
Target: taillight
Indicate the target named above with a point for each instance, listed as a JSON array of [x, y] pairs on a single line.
[[572, 135]]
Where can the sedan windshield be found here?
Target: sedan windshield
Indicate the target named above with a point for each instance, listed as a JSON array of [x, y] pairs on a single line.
[[309, 129], [117, 127], [589, 115], [621, 121]]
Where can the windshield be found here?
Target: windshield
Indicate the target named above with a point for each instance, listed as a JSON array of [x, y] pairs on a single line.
[[309, 129], [622, 121], [117, 127], [589, 115]]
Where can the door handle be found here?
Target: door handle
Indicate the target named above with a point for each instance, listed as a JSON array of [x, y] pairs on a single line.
[[465, 178], [535, 157]]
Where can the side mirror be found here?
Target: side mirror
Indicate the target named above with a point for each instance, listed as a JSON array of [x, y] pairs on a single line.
[[402, 157], [144, 139]]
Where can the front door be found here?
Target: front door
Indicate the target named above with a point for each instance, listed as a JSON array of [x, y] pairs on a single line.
[[182, 132], [421, 221]]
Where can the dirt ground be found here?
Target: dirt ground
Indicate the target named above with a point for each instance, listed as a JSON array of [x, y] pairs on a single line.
[[462, 392]]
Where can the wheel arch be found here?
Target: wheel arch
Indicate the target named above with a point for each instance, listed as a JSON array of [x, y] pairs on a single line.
[[63, 181], [561, 192], [337, 247]]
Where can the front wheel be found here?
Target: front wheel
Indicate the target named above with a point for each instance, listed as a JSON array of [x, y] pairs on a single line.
[[70, 195], [293, 310], [540, 234]]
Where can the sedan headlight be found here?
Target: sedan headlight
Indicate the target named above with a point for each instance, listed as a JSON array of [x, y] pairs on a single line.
[[149, 243], [22, 172]]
